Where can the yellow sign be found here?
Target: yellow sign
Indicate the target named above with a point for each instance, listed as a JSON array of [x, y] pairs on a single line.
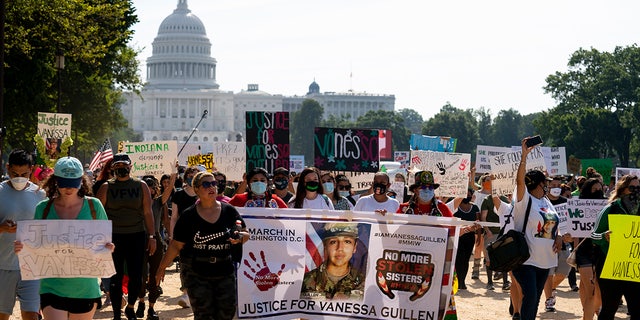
[[207, 160], [623, 258]]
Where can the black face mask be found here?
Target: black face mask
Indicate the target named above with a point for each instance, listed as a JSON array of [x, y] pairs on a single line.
[[598, 194], [121, 172], [379, 188], [281, 184], [221, 186], [312, 186]]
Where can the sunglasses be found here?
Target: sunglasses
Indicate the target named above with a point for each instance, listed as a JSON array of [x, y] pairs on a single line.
[[221, 182], [426, 187], [634, 188], [209, 184], [344, 187]]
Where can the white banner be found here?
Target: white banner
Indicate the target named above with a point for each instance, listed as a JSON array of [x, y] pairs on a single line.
[[151, 157], [581, 215], [64, 249], [484, 154], [450, 170], [398, 269], [555, 160], [620, 172], [230, 159], [505, 166]]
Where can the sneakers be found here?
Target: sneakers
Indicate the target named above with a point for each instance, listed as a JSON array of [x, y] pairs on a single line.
[[550, 304], [574, 288], [475, 274], [497, 275], [107, 302], [130, 314], [506, 286], [462, 287], [152, 314], [140, 310], [516, 316], [183, 301], [490, 286]]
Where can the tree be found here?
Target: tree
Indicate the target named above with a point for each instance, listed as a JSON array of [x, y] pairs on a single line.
[[387, 120], [344, 121], [506, 128], [485, 129], [93, 36], [599, 86], [455, 123], [302, 125], [412, 120]]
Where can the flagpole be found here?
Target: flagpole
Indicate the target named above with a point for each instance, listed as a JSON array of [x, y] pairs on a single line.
[[204, 115]]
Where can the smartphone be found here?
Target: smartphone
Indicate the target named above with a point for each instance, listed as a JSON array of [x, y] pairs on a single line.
[[534, 141]]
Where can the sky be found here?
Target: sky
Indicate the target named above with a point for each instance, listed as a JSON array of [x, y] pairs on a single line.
[[472, 54]]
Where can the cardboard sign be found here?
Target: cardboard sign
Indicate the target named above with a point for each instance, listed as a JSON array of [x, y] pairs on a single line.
[[505, 166], [338, 149], [267, 140], [151, 157], [65, 249], [484, 154], [623, 258], [230, 159], [450, 170]]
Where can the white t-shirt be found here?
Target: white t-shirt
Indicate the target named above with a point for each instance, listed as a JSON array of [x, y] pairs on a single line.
[[480, 196], [541, 230], [368, 203], [320, 202], [503, 212]]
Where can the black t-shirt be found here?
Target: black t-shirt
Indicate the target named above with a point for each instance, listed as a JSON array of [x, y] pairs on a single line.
[[204, 240], [183, 200], [472, 215]]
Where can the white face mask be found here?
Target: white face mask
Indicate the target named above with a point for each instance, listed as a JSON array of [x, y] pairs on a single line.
[[555, 192], [19, 183]]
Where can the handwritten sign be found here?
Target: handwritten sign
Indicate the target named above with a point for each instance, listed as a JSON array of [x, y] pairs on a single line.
[[620, 172], [403, 158], [450, 170], [230, 159], [151, 157], [207, 160], [623, 258], [555, 160], [64, 249], [346, 149], [267, 140], [505, 166], [360, 181], [432, 143], [54, 125], [581, 215], [296, 163], [484, 154]]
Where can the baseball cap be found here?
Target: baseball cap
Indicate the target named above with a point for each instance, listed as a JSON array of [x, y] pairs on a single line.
[[533, 177], [121, 158], [68, 172], [340, 229]]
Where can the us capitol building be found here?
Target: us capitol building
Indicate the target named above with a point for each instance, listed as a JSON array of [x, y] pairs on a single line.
[[181, 84]]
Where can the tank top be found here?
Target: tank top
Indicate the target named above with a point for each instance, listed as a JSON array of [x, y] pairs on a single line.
[[124, 205]]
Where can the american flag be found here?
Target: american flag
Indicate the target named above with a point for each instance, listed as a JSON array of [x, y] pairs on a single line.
[[104, 154]]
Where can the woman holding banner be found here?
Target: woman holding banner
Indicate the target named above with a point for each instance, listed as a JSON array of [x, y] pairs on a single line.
[[69, 298], [258, 194], [331, 191], [623, 200], [310, 192]]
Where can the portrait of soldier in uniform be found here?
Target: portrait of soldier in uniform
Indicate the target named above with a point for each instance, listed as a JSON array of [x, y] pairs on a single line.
[[336, 278]]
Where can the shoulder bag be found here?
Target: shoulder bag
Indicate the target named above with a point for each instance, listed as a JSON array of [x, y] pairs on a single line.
[[510, 249]]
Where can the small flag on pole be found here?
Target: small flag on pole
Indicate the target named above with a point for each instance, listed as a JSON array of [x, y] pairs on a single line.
[[103, 155]]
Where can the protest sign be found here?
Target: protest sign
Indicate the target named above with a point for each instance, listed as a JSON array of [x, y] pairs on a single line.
[[573, 165], [432, 143], [450, 170], [296, 163], [398, 188], [581, 215], [620, 172], [346, 149], [206, 160], [230, 159], [623, 257], [403, 158], [484, 154], [54, 128], [555, 160], [360, 181], [267, 140], [64, 249], [505, 166], [151, 157], [385, 145], [399, 269]]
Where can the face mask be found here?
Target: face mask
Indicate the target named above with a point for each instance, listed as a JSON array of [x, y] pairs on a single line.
[[281, 184], [598, 194], [426, 195], [379, 188], [555, 192], [312, 186], [188, 181], [121, 172], [545, 189], [486, 185], [258, 187], [344, 193], [328, 187], [19, 183], [221, 188]]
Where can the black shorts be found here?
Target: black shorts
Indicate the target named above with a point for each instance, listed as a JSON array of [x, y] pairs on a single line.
[[71, 305]]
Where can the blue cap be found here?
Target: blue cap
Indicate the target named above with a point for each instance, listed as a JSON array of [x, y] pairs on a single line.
[[68, 172]]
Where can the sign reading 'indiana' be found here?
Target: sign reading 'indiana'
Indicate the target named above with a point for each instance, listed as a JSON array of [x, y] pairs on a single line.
[[346, 149]]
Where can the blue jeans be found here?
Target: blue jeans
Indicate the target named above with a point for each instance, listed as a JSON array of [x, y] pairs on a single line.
[[532, 280]]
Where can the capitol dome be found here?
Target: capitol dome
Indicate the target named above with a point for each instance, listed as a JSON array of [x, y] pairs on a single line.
[[181, 57]]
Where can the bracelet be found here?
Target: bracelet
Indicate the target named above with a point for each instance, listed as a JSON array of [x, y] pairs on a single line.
[[151, 236]]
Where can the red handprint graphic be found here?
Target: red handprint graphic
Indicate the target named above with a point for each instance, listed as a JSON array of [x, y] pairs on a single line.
[[263, 278], [463, 165]]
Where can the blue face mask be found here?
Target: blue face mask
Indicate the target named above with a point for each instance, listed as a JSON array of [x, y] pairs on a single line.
[[258, 187], [344, 193], [328, 187], [426, 195]]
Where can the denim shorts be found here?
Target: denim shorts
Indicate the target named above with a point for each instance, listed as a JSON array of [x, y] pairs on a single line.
[[27, 292]]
